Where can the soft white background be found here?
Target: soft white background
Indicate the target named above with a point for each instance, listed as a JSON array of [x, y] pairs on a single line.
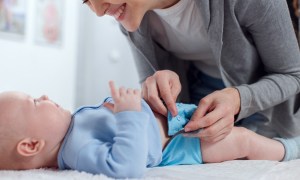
[[93, 51]]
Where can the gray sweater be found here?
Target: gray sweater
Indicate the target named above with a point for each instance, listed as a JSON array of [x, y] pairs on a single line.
[[256, 50]]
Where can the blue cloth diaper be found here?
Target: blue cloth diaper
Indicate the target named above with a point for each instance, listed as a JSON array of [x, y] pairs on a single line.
[[180, 149], [177, 123]]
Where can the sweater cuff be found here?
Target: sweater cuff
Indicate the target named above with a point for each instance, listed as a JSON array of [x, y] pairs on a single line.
[[246, 98]]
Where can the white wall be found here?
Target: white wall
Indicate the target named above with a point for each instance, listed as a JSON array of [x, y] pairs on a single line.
[[36, 69], [104, 55], [93, 51]]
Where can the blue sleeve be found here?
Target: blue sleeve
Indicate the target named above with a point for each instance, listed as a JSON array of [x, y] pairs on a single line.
[[126, 156]]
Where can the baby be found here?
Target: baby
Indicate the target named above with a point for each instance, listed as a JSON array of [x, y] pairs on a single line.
[[119, 138]]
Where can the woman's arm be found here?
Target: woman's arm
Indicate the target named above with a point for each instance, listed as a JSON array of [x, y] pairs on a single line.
[[273, 73], [273, 35]]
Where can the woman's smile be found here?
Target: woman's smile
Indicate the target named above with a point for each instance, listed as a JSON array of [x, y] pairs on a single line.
[[117, 12]]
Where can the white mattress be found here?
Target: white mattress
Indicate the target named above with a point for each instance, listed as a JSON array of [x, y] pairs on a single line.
[[238, 169]]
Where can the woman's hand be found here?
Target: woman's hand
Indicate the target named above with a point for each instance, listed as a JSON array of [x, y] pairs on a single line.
[[160, 89], [125, 99], [215, 114]]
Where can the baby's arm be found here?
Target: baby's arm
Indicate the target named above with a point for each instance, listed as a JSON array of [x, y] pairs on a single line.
[[242, 143], [128, 153]]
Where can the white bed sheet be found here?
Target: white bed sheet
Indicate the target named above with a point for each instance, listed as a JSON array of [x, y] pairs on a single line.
[[230, 170]]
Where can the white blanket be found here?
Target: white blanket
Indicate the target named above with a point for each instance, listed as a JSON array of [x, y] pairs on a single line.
[[238, 169]]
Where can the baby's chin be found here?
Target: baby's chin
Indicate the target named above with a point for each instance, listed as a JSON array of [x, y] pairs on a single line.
[[68, 115]]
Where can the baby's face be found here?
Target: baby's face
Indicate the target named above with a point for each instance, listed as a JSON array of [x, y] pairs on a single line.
[[40, 117]]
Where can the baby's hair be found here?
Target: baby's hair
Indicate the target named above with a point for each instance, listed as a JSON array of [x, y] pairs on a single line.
[[6, 148], [9, 138]]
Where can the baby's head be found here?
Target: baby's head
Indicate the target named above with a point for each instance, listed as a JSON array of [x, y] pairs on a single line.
[[31, 131]]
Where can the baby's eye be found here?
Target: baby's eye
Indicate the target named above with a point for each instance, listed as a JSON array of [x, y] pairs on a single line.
[[85, 1]]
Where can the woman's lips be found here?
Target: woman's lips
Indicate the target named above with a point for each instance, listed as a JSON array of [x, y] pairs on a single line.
[[116, 12]]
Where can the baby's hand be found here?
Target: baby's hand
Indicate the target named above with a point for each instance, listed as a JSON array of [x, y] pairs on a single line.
[[125, 99]]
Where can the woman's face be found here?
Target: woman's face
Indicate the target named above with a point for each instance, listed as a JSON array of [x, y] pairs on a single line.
[[128, 12]]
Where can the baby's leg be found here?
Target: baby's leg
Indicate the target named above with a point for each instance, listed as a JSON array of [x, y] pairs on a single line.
[[242, 143]]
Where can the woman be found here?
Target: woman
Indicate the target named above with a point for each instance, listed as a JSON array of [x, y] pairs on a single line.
[[239, 59]]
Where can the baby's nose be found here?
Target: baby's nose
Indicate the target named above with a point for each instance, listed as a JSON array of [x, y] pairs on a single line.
[[44, 97]]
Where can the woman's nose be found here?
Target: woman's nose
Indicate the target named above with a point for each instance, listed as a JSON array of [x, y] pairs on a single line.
[[99, 7]]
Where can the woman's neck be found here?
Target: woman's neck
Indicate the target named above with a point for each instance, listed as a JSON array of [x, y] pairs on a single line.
[[163, 4]]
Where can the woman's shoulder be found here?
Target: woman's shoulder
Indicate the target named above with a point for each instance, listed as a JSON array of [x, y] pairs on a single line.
[[255, 6], [254, 10]]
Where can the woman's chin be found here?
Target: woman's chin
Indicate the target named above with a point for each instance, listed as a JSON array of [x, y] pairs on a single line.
[[131, 27]]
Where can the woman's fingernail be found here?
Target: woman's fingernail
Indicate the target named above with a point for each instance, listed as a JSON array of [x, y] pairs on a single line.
[[187, 129]]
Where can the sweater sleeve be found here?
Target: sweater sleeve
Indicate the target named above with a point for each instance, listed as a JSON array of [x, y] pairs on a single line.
[[126, 155], [270, 26]]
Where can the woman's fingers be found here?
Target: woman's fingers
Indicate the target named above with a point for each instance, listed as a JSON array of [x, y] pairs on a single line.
[[169, 94], [208, 121], [209, 135], [214, 124], [161, 90], [151, 95], [215, 114], [213, 133], [196, 120]]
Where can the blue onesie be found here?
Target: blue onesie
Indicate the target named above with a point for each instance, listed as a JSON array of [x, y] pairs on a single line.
[[120, 145]]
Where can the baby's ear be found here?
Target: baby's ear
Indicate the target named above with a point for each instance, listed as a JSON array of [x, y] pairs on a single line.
[[30, 147]]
